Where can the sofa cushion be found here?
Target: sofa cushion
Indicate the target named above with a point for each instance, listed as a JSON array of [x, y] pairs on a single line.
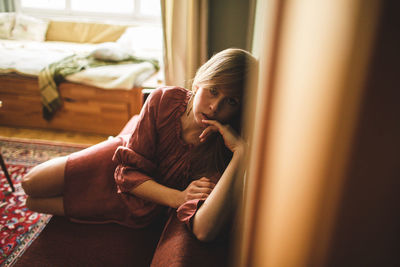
[[64, 243], [6, 24], [29, 28], [141, 38], [83, 32]]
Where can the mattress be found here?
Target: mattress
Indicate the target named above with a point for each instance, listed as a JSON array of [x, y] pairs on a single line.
[[30, 57]]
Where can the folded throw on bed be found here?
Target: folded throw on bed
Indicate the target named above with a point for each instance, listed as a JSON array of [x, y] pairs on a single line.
[[55, 73]]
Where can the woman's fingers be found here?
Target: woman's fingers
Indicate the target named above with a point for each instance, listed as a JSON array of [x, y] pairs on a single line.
[[206, 132], [213, 122], [202, 196], [203, 180], [215, 126], [204, 184], [200, 189], [231, 138], [206, 190]]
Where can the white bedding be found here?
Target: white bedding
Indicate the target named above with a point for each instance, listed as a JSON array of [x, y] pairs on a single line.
[[29, 57], [119, 76]]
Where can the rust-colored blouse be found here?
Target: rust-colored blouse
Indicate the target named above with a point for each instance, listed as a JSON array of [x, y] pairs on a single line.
[[96, 187]]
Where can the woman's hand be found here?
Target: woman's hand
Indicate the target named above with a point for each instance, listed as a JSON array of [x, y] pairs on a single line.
[[198, 189], [232, 140]]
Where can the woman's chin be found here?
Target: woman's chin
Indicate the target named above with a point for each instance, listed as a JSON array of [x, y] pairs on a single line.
[[199, 122], [202, 125]]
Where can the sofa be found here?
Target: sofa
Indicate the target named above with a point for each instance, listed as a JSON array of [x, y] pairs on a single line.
[[98, 99], [64, 243]]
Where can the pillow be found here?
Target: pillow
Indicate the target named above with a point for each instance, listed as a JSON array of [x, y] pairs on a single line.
[[142, 38], [29, 28], [110, 51], [6, 24]]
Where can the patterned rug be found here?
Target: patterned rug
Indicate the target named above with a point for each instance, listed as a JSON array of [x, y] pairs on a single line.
[[18, 225]]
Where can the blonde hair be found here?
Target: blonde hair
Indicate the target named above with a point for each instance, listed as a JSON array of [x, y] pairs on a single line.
[[226, 70]]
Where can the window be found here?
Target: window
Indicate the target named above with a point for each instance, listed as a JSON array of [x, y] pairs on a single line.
[[141, 11]]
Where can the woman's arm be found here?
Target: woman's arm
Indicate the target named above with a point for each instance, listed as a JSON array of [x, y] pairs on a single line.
[[163, 195], [157, 193], [217, 208]]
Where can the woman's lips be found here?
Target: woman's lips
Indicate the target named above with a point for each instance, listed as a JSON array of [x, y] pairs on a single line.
[[205, 116]]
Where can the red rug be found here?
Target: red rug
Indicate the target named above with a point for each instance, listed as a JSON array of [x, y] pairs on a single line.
[[18, 225]]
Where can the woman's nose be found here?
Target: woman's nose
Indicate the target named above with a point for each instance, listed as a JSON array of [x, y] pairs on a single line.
[[214, 105]]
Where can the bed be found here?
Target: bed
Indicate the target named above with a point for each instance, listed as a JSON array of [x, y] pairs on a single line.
[[97, 99]]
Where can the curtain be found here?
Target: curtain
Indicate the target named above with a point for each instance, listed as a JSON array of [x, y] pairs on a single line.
[[313, 61], [185, 39], [7, 6]]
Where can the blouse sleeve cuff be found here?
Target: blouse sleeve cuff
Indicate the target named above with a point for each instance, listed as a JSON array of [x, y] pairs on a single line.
[[127, 179], [128, 157], [187, 210]]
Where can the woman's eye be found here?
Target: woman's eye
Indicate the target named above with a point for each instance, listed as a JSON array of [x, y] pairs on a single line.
[[232, 101], [213, 91]]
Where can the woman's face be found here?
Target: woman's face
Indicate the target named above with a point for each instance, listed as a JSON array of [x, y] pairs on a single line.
[[211, 103]]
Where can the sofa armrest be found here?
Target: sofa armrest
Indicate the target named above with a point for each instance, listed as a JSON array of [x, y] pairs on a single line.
[[178, 247]]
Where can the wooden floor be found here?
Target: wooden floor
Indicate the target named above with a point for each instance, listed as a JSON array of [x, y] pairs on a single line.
[[52, 135]]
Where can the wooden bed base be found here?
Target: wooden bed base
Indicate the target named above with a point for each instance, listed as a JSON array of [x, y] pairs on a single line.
[[85, 108]]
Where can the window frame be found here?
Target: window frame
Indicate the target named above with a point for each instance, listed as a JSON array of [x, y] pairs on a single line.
[[135, 17]]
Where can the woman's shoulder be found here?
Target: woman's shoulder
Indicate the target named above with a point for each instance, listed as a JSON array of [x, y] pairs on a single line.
[[171, 92], [170, 97], [169, 106]]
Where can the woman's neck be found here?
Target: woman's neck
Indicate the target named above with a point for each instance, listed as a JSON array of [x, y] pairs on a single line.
[[190, 129]]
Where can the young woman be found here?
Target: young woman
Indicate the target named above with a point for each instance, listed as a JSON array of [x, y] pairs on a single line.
[[182, 152]]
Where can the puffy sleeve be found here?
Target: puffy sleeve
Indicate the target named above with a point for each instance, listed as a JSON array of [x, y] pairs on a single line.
[[187, 210], [136, 161]]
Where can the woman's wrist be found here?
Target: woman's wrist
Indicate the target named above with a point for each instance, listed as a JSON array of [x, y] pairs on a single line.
[[240, 149], [179, 199]]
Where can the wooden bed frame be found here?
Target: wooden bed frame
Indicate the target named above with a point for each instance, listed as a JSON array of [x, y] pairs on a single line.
[[85, 108]]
